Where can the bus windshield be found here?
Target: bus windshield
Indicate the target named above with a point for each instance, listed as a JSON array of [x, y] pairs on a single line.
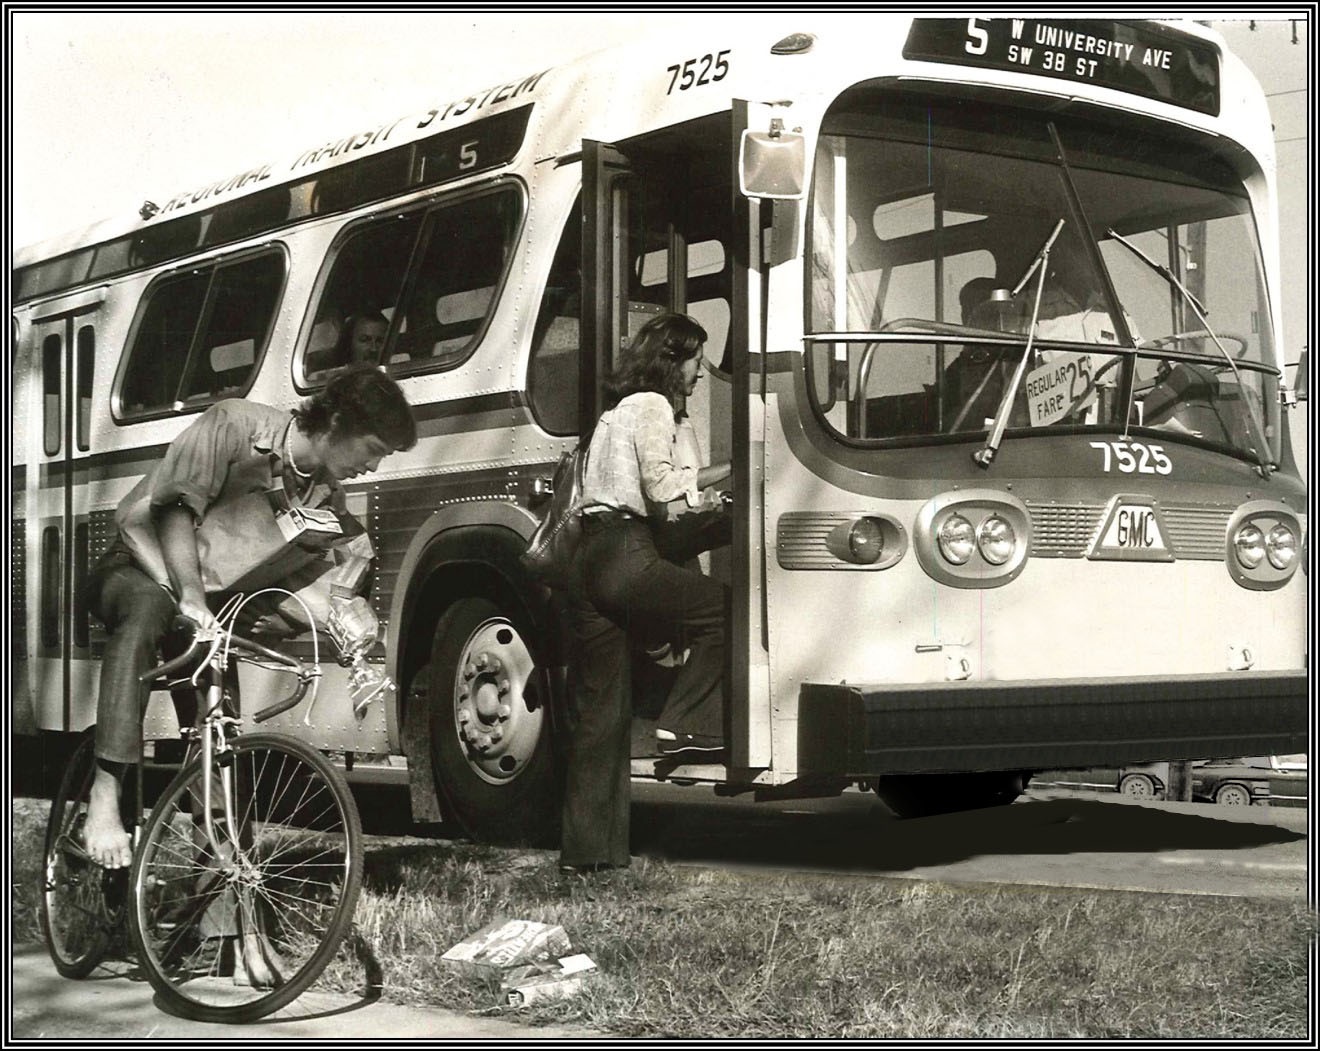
[[927, 216]]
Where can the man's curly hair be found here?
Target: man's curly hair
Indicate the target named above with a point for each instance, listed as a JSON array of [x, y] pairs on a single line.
[[360, 400]]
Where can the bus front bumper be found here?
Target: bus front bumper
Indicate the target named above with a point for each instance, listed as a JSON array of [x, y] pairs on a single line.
[[864, 730]]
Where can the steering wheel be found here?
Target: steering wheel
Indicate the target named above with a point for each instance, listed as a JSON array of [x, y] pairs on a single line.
[[1181, 337]]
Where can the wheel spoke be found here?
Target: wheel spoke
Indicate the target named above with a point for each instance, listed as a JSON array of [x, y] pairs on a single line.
[[290, 875]]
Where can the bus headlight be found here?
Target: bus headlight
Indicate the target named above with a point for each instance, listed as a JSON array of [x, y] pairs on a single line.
[[973, 538], [996, 540], [866, 541], [1249, 545], [1262, 544], [957, 540], [1280, 546]]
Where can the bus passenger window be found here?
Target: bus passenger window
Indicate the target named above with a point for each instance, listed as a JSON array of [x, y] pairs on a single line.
[[552, 372], [86, 371], [52, 361], [200, 334], [240, 308], [364, 284], [467, 248]]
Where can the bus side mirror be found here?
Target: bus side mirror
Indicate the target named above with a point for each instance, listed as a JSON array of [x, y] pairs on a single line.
[[1300, 383], [773, 164]]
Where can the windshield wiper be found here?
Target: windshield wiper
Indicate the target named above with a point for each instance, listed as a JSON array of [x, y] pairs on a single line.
[[986, 456], [1256, 424]]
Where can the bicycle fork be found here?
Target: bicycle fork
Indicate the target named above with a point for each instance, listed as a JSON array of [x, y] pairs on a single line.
[[215, 745]]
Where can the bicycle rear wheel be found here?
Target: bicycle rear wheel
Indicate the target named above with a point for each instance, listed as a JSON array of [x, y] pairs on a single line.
[[235, 937], [82, 904]]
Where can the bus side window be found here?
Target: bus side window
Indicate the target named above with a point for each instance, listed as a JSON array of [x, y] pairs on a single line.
[[159, 350], [366, 277], [200, 334], [468, 245], [52, 379], [239, 313], [552, 372]]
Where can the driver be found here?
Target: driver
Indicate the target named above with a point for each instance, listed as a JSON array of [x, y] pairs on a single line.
[[234, 448], [1072, 304]]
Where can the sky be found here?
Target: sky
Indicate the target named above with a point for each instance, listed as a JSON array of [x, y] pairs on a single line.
[[110, 109]]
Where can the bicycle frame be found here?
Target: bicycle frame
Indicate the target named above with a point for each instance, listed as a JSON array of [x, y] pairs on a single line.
[[214, 723]]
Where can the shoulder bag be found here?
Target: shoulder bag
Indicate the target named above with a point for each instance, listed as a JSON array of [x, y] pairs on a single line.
[[553, 546]]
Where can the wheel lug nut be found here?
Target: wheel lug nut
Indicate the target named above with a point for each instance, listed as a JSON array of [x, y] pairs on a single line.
[[497, 734], [503, 711], [463, 716], [504, 687], [482, 660], [469, 671]]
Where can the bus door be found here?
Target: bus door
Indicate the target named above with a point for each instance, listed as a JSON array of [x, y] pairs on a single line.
[[659, 218], [58, 389]]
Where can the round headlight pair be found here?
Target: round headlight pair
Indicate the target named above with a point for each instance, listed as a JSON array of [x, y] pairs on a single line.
[[958, 539], [1254, 546]]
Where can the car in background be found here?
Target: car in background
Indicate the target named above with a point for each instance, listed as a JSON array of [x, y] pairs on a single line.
[[1285, 774], [1228, 782], [1288, 780]]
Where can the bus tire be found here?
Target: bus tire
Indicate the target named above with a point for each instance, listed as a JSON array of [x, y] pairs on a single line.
[[926, 795], [492, 747]]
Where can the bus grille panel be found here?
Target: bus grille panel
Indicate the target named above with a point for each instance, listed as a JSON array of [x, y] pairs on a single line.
[[1066, 530]]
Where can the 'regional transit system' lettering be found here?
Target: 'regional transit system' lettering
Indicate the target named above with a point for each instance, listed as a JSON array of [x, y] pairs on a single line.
[[357, 141]]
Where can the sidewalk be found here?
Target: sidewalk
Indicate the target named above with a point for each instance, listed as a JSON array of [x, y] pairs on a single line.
[[110, 1005]]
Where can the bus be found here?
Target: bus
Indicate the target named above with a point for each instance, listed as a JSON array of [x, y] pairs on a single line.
[[992, 308]]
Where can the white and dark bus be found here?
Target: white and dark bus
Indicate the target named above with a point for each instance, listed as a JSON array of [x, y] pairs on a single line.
[[993, 308]]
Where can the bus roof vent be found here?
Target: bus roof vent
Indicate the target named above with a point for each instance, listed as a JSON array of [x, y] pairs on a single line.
[[793, 44]]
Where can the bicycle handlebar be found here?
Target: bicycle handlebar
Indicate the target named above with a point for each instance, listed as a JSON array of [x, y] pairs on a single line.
[[245, 645], [171, 666]]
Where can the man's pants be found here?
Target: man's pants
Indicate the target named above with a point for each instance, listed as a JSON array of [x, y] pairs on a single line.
[[137, 613]]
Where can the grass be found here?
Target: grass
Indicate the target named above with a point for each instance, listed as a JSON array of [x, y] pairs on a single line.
[[687, 952]]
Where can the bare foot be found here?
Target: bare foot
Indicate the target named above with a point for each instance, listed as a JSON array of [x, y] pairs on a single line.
[[104, 837], [257, 964]]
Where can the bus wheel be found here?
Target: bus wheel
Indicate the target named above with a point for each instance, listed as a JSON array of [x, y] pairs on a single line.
[[491, 748], [925, 795]]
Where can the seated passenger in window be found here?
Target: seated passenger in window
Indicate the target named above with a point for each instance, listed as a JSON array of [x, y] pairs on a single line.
[[361, 341]]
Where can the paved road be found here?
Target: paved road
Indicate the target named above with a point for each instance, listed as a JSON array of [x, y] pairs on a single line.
[[113, 1004], [1051, 837]]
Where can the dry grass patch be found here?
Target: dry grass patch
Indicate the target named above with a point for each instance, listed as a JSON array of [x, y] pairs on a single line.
[[687, 952]]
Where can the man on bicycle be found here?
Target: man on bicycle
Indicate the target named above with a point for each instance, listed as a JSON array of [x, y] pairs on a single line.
[[152, 572]]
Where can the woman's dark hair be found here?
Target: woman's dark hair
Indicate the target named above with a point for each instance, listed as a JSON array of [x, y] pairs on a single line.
[[363, 400], [654, 359]]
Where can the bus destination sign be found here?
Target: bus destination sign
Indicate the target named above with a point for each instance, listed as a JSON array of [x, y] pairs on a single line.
[[1150, 61]]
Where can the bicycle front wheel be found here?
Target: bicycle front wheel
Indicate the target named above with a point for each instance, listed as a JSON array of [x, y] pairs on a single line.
[[234, 934], [81, 903]]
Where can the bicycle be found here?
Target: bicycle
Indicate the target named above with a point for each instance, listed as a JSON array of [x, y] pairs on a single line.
[[253, 850]]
